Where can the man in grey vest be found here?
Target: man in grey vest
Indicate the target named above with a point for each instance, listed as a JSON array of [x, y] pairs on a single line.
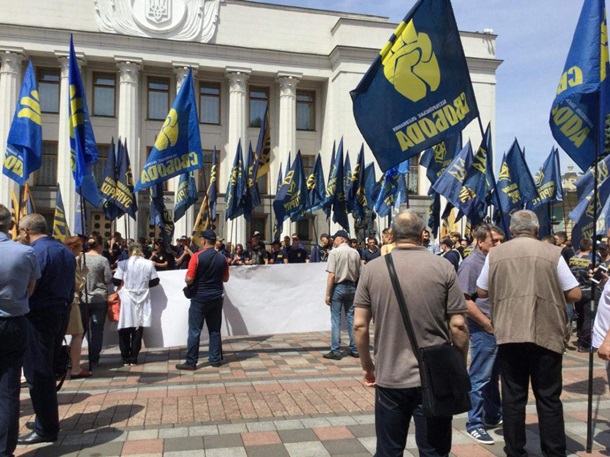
[[528, 283]]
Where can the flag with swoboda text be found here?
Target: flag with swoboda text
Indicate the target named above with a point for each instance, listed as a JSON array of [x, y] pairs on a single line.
[[586, 213], [109, 185], [83, 148], [585, 183], [263, 147], [186, 195], [234, 197], [159, 216], [291, 199], [177, 149], [449, 185], [24, 144], [418, 91], [252, 197], [548, 181], [60, 225], [125, 197], [579, 110]]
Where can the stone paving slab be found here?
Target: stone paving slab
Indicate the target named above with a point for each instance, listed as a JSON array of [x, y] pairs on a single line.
[[273, 396]]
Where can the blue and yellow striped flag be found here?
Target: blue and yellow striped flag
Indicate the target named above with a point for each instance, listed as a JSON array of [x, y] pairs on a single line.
[[60, 226]]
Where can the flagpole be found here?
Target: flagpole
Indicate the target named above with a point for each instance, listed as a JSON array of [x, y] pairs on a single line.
[[84, 274]]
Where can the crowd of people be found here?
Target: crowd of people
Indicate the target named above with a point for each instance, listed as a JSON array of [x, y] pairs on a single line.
[[510, 306]]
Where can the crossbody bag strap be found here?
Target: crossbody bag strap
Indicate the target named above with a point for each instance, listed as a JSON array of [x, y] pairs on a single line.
[[402, 305]]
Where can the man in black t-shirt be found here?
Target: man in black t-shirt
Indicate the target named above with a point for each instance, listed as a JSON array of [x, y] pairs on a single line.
[[279, 256], [580, 265], [371, 251], [296, 253]]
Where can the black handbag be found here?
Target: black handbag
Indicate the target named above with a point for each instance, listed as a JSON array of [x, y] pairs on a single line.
[[445, 382], [191, 291]]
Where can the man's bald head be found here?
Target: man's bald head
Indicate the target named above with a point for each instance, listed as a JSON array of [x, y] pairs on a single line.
[[408, 227]]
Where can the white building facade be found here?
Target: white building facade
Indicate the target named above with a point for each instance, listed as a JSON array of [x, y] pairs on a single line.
[[134, 54]]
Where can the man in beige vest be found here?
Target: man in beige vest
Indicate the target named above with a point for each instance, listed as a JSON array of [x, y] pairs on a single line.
[[528, 283]]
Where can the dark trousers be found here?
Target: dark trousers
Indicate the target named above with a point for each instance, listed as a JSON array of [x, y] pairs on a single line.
[[12, 347], [130, 343], [520, 362], [583, 323], [211, 313], [45, 330], [94, 320], [393, 411]]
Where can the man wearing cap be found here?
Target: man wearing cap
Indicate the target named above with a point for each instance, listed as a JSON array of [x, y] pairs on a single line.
[[184, 253], [343, 272], [208, 269], [279, 256], [296, 252]]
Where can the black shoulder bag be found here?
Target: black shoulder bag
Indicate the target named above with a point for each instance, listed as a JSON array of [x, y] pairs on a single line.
[[191, 291], [445, 382]]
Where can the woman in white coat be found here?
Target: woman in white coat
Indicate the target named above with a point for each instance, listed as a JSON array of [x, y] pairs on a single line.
[[135, 276]]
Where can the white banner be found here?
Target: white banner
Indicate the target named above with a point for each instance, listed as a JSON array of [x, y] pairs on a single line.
[[259, 300]]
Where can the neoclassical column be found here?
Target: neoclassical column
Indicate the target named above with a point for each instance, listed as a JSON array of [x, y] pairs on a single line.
[[10, 78], [287, 129], [185, 225], [129, 130], [238, 129], [64, 170]]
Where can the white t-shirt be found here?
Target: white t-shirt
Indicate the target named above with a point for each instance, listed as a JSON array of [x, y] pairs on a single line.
[[566, 278], [602, 318]]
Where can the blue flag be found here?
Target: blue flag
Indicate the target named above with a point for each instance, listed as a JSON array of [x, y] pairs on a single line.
[[347, 181], [178, 146], [252, 197], [515, 185], [80, 218], [434, 214], [236, 187], [263, 147], [577, 117], [392, 194], [83, 148], [548, 181], [449, 185], [584, 184], [159, 216], [357, 191], [60, 225], [315, 186], [213, 187], [584, 214], [337, 183], [109, 185], [329, 192], [292, 195], [186, 195], [418, 91], [125, 198], [24, 143], [473, 200], [438, 158], [370, 184]]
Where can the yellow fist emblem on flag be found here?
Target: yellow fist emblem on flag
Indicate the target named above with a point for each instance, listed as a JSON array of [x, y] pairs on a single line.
[[410, 65], [169, 132]]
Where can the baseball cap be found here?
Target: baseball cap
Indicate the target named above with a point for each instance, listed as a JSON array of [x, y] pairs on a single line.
[[183, 238], [257, 233], [342, 234], [208, 235]]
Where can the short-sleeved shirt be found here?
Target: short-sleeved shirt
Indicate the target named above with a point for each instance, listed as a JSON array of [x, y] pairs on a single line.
[[367, 255], [259, 256], [298, 255], [56, 285], [468, 273], [344, 262], [279, 257], [208, 268], [432, 294], [18, 267]]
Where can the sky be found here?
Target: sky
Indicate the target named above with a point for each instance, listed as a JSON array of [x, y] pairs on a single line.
[[534, 38]]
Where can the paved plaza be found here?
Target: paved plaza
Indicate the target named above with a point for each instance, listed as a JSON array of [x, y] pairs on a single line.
[[274, 396]]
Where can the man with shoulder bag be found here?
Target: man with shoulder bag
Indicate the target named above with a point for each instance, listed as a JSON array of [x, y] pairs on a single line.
[[208, 270], [418, 309]]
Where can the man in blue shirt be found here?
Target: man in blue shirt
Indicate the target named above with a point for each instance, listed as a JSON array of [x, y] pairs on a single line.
[[48, 316], [18, 274]]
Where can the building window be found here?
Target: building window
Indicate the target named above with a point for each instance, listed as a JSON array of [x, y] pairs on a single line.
[[46, 175], [258, 224], [104, 94], [203, 179], [413, 176], [158, 98], [306, 110], [308, 162], [209, 103], [100, 166], [48, 89], [305, 228], [259, 99]]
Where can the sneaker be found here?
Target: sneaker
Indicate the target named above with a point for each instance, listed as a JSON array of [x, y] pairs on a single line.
[[582, 349], [333, 355], [186, 366], [494, 425], [354, 354], [481, 436]]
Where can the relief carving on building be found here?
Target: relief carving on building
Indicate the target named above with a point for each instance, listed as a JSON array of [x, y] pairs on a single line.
[[183, 20]]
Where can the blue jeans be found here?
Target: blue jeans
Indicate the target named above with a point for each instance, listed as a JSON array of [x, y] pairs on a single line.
[[12, 346], [484, 377], [342, 298], [393, 411], [211, 312], [97, 319]]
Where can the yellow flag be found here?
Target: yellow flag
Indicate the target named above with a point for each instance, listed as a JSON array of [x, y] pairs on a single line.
[[449, 224], [203, 220], [26, 205], [14, 214]]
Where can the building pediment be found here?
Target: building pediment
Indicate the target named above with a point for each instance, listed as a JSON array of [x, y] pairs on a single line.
[[182, 20]]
